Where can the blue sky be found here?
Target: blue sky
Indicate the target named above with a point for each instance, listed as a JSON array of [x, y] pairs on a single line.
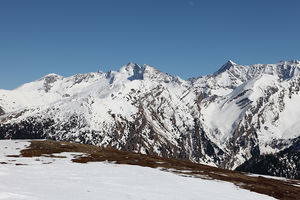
[[188, 38]]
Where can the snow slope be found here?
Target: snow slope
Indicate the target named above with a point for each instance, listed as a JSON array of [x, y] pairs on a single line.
[[62, 179]]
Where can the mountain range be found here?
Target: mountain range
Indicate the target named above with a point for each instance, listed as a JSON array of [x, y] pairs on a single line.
[[241, 117]]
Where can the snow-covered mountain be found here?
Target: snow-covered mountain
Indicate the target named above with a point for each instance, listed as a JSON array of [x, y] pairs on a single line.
[[223, 119]]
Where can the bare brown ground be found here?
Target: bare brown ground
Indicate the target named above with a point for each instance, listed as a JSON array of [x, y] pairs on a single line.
[[280, 189]]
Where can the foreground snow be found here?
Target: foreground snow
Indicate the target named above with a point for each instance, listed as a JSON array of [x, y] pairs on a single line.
[[62, 179]]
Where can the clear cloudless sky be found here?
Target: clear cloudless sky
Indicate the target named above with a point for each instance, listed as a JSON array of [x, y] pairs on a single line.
[[188, 38]]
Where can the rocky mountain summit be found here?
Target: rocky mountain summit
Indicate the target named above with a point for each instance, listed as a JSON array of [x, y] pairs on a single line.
[[234, 116]]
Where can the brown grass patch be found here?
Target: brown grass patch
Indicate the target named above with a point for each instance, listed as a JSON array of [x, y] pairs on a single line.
[[279, 189]]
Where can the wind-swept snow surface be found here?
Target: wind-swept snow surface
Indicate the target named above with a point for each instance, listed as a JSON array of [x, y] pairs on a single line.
[[47, 178]]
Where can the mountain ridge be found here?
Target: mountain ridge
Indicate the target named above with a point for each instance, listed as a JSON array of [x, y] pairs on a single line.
[[222, 119]]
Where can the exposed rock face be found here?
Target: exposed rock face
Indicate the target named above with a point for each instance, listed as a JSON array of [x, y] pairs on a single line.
[[239, 113]]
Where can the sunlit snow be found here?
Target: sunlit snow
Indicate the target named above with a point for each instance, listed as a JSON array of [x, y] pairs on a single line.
[[62, 179]]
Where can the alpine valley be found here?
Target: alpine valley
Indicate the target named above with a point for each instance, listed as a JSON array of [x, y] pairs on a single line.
[[241, 117]]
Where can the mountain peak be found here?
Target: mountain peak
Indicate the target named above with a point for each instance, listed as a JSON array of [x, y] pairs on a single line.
[[226, 66], [231, 62], [130, 67], [131, 64], [51, 75], [289, 62], [149, 69]]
